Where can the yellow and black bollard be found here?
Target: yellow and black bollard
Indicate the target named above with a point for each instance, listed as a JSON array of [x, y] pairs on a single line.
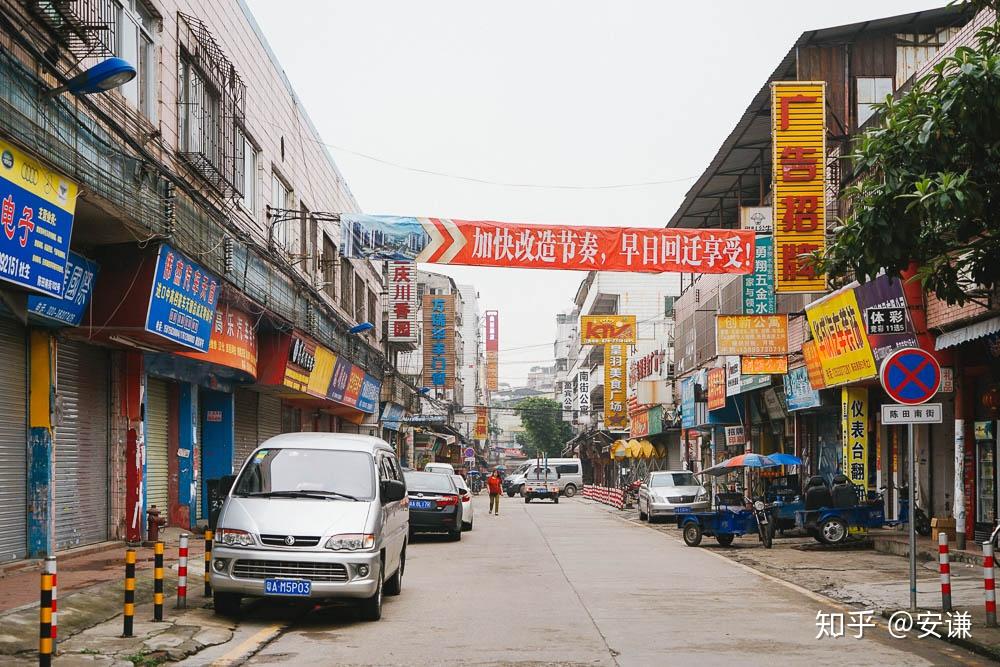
[[45, 622], [129, 592], [158, 581], [208, 562]]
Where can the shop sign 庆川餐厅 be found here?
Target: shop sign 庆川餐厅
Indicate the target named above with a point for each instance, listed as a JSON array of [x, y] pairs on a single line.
[[37, 207], [77, 289], [841, 342], [756, 335], [183, 300]]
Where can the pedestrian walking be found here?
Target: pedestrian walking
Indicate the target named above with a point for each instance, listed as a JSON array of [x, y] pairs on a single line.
[[493, 483]]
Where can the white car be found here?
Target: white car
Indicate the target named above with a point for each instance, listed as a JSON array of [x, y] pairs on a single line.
[[466, 497], [664, 491], [445, 468]]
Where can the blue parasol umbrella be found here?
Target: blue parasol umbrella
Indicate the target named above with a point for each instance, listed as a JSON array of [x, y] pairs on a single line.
[[785, 459]]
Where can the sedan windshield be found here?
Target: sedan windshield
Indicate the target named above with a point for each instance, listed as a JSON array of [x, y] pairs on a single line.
[[308, 473], [674, 479], [429, 481]]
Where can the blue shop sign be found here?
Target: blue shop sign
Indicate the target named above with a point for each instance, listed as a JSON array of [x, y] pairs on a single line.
[[369, 395], [392, 415], [687, 403], [183, 300], [799, 394], [78, 285], [36, 222]]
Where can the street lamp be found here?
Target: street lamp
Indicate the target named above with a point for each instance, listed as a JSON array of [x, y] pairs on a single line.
[[361, 328], [100, 78]]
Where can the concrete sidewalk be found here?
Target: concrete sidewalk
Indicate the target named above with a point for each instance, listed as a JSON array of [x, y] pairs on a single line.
[[90, 600]]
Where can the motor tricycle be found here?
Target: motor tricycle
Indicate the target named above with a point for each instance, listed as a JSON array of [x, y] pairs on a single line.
[[726, 523]]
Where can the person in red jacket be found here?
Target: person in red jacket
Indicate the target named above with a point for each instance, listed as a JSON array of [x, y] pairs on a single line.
[[493, 483]]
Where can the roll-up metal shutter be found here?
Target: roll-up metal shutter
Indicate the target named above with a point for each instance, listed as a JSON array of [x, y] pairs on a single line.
[[268, 417], [244, 425], [157, 472], [13, 441], [81, 445], [674, 454]]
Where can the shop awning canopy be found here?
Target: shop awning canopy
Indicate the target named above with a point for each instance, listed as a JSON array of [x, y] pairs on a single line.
[[965, 334]]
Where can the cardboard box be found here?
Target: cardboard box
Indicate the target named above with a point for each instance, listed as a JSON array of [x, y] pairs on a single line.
[[943, 525]]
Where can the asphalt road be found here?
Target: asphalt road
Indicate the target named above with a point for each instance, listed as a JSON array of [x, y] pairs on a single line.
[[569, 584]]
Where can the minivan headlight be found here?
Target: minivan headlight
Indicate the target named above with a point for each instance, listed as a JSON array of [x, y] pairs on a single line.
[[231, 537], [351, 542]]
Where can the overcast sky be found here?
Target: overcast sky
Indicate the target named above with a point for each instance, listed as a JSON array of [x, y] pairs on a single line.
[[580, 93]]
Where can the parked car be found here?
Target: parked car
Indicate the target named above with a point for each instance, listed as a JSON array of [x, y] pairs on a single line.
[[570, 475], [466, 496], [435, 504], [314, 515], [662, 492], [446, 468]]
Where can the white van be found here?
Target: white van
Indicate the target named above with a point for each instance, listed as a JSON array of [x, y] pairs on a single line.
[[570, 475]]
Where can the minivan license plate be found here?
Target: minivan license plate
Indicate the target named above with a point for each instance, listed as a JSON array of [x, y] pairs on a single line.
[[287, 587]]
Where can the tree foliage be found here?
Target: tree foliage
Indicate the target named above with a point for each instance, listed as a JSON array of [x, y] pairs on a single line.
[[545, 431], [930, 191]]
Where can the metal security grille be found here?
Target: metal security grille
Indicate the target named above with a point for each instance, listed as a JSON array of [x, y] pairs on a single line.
[[13, 441], [81, 446], [268, 417], [244, 426], [157, 408]]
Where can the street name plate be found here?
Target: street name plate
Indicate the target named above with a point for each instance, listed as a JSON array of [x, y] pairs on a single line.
[[897, 413]]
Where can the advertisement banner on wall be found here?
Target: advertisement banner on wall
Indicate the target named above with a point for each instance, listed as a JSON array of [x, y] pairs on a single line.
[[604, 329], [798, 127], [763, 365], [854, 422], [439, 340], [538, 246], [799, 394], [751, 334], [716, 388], [183, 300], [758, 287], [814, 368], [841, 341], [615, 387], [77, 288], [38, 206], [233, 344], [887, 293], [403, 302]]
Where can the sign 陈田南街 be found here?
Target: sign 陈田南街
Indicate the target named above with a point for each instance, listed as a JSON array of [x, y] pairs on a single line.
[[927, 413]]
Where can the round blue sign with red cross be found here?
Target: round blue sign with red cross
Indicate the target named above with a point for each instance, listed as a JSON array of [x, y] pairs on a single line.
[[910, 376]]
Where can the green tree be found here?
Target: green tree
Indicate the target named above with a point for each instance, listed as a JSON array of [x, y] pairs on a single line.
[[545, 431], [930, 186]]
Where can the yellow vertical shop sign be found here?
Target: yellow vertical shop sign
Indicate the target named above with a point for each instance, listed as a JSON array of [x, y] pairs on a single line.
[[841, 342], [615, 399], [854, 422], [798, 126]]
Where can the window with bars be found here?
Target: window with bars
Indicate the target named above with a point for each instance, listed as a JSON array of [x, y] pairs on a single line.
[[373, 312], [280, 198], [307, 239], [135, 25], [346, 285], [328, 266], [359, 299]]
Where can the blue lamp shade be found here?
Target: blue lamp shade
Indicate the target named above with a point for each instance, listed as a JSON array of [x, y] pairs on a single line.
[[361, 328], [103, 76]]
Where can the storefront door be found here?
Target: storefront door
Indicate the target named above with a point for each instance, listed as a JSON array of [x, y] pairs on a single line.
[[157, 470], [13, 441]]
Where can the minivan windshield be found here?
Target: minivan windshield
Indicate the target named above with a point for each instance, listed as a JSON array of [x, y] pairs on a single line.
[[673, 479], [308, 473]]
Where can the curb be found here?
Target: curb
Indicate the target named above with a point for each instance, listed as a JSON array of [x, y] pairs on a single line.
[[968, 645]]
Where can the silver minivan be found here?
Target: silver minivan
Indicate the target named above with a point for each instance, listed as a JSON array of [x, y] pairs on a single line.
[[313, 515]]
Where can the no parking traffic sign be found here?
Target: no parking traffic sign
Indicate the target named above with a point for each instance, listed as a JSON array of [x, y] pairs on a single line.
[[910, 376]]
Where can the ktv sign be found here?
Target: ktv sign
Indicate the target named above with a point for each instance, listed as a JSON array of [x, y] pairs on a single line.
[[607, 329]]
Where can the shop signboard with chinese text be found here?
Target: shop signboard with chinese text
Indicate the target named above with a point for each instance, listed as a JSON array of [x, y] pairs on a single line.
[[841, 343], [767, 365], [604, 329], [798, 126], [78, 285], [482, 423], [37, 207], [354, 384], [567, 401], [402, 302], [799, 394], [300, 363], [735, 436], [492, 350], [854, 422], [183, 300], [538, 246], [439, 340], [392, 416], [234, 342], [615, 387], [639, 424], [688, 417], [338, 382], [886, 316], [583, 394], [716, 388], [737, 383], [368, 398], [751, 334], [758, 287], [814, 367], [757, 218]]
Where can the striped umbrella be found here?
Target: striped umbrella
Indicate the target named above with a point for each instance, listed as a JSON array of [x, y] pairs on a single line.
[[738, 462]]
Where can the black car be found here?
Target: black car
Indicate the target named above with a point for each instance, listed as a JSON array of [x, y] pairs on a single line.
[[435, 504]]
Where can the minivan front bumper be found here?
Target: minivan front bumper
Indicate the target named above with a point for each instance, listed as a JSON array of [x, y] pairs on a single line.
[[333, 574]]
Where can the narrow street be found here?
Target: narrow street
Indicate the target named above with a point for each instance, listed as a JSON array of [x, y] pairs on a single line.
[[567, 584]]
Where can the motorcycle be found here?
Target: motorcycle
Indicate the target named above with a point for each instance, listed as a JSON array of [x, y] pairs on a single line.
[[765, 525], [921, 522]]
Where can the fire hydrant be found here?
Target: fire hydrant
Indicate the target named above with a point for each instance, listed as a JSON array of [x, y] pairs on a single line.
[[154, 523]]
